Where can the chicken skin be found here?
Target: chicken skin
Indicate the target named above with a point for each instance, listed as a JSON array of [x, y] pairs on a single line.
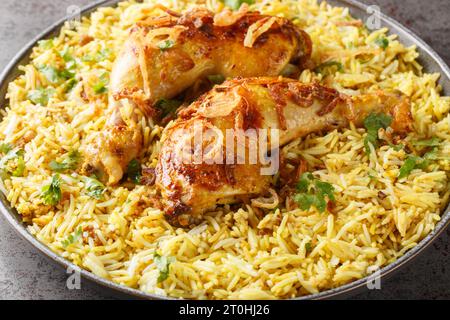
[[167, 54], [191, 186]]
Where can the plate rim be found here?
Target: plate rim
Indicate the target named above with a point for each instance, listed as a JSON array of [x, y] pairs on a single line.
[[341, 291]]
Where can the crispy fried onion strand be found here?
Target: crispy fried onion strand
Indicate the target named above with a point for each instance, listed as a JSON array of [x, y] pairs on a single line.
[[267, 203], [228, 17], [259, 28]]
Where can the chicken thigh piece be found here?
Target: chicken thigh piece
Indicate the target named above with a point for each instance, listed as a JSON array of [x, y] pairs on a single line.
[[189, 186], [165, 55]]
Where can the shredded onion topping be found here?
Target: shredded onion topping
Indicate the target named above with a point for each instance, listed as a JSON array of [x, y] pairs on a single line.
[[257, 29], [228, 17]]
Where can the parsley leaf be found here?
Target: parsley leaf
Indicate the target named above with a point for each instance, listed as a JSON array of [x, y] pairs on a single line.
[[289, 70], [373, 123], [104, 54], [100, 86], [216, 78], [18, 172], [163, 265], [325, 67], [52, 192], [5, 148], [41, 95], [433, 142], [166, 44], [313, 192], [94, 187], [236, 4], [414, 162], [11, 154], [134, 171], [308, 246], [69, 163], [100, 56], [46, 44], [397, 147], [51, 73], [167, 106], [408, 166], [382, 42], [73, 238]]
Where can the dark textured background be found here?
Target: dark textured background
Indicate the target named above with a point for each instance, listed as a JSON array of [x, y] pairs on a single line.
[[24, 274]]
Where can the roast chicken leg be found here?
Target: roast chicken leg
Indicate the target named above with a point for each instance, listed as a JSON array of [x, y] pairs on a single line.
[[189, 187], [167, 54]]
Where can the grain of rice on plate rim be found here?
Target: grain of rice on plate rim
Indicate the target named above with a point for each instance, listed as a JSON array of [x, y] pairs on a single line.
[[233, 255]]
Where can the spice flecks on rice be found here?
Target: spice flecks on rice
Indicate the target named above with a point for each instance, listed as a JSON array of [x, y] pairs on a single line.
[[239, 253]]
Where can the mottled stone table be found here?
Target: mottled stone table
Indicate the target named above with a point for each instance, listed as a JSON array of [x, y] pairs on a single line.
[[24, 274]]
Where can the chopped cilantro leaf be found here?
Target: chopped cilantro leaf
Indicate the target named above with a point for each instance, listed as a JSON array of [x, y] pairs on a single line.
[[236, 4], [73, 238], [325, 67], [167, 106], [163, 264], [308, 246], [69, 163], [51, 193], [382, 42], [94, 187], [433, 142], [216, 78], [134, 171], [5, 148], [166, 44], [373, 123], [41, 95], [313, 192], [46, 44]]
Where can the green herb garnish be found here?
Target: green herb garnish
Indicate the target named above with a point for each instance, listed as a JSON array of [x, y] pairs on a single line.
[[52, 192], [289, 70], [165, 45], [167, 106], [163, 265], [134, 171], [433, 142], [313, 192], [415, 162], [100, 86], [46, 44], [73, 238], [41, 95], [94, 187], [103, 54], [308, 246], [397, 147], [382, 42], [11, 154], [51, 73], [99, 56], [5, 148], [322, 68], [18, 172], [373, 123], [69, 163], [216, 78], [236, 4]]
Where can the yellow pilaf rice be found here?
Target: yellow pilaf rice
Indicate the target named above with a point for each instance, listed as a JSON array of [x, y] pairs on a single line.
[[233, 254]]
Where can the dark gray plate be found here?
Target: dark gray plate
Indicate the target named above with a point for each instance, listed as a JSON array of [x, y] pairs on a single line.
[[428, 58]]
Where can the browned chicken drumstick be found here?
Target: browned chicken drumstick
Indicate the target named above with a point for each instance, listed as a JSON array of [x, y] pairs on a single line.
[[167, 54], [189, 189]]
